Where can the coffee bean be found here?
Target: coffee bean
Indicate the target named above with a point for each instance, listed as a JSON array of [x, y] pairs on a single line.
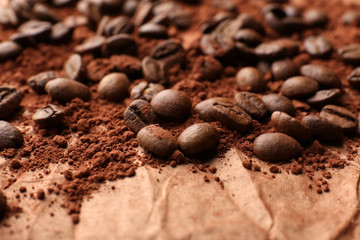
[[271, 51], [299, 87], [10, 99], [324, 97], [156, 140], [231, 116], [217, 45], [249, 37], [341, 117], [250, 79], [2, 202], [153, 30], [252, 104], [76, 21], [42, 12], [22, 39], [139, 114], [351, 17], [8, 17], [64, 90], [145, 91], [354, 78], [172, 104], [38, 81], [129, 7], [142, 13], [165, 7], [61, 32], [119, 44], [250, 22], [350, 53], [49, 116], [117, 25], [245, 52], [75, 68], [207, 68], [181, 19], [318, 46], [204, 108], [291, 46], [162, 19], [316, 17], [98, 68], [292, 11], [39, 30], [198, 138], [323, 75], [283, 69], [263, 66], [322, 129], [114, 87], [276, 147], [154, 71], [169, 51], [9, 50], [10, 136], [275, 102], [290, 126], [91, 45]]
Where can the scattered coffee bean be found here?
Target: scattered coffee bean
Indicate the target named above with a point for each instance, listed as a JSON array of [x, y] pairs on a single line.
[[283, 69], [153, 30], [322, 129], [114, 87], [49, 116], [323, 75], [145, 91], [8, 17], [291, 46], [22, 39], [207, 68], [39, 30], [350, 53], [251, 79], [91, 45], [324, 97], [74, 68], [299, 87], [143, 13], [121, 24], [169, 51], [217, 45], [119, 44], [248, 36], [61, 32], [10, 99], [9, 50], [204, 108], [318, 46], [162, 19], [271, 51], [64, 90], [139, 114], [354, 78], [198, 138], [351, 17], [38, 81], [290, 126], [316, 17], [10, 136], [154, 71], [2, 202], [156, 140], [276, 147], [275, 102], [292, 11], [172, 104], [252, 104], [42, 12], [341, 117], [231, 116]]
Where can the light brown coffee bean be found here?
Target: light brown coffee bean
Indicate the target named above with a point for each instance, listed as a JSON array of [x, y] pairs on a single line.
[[341, 117], [251, 79], [275, 102], [322, 129], [139, 114], [10, 136], [299, 87], [48, 116], [114, 87], [38, 81], [252, 104], [204, 108], [323, 75], [64, 90], [283, 69], [231, 116]]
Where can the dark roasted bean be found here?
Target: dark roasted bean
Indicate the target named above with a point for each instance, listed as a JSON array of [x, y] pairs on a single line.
[[154, 71], [350, 53], [9, 50], [61, 33], [252, 104], [139, 114], [283, 69], [324, 97], [38, 81], [48, 116], [318, 46], [153, 30], [10, 136], [75, 68], [204, 108], [322, 129], [299, 87], [207, 68], [64, 90], [323, 75], [341, 117], [271, 51], [119, 44], [275, 102], [142, 13], [169, 51], [181, 19], [249, 37], [39, 30], [42, 12], [250, 79], [351, 17], [231, 116], [114, 87], [91, 45], [116, 26], [10, 99], [217, 45], [316, 17], [145, 91], [354, 78]]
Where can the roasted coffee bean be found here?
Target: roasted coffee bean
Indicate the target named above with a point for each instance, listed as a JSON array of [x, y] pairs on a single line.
[[217, 45], [9, 50], [49, 116], [231, 116], [316, 17], [154, 71], [322, 129], [291, 46], [61, 32], [350, 53], [292, 11], [10, 99], [341, 117], [153, 30], [283, 69], [271, 51], [248, 36], [299, 87], [318, 46], [354, 78], [323, 75], [198, 138], [98, 68], [324, 97], [22, 39], [252, 104], [76, 21], [162, 19], [145, 91], [42, 12], [142, 13], [139, 114], [127, 64], [204, 108], [114, 87], [250, 22], [169, 51], [64, 90], [116, 26], [39, 30], [207, 68], [38, 81], [2, 202], [165, 7], [75, 68], [290, 126], [62, 3], [8, 17], [91, 45], [172, 104], [351, 17], [251, 79], [276, 147], [156, 140], [181, 19], [245, 52], [275, 102], [263, 66], [129, 7], [10, 136], [119, 44]]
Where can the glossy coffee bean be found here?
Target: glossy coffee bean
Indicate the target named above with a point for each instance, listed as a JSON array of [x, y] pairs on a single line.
[[324, 97], [198, 138], [290, 126], [318, 46], [275, 102], [154, 71], [114, 87], [291, 46], [153, 30], [169, 51], [10, 136], [143, 13], [64, 90], [116, 26], [322, 129], [323, 75], [9, 50], [75, 68], [354, 78], [49, 116], [299, 87], [2, 202], [145, 91], [271, 51], [341, 117], [248, 36], [119, 44], [10, 99], [245, 52], [252, 104], [42, 12], [276, 147], [156, 140], [251, 79], [91, 45], [231, 116], [283, 69], [316, 17], [39, 30], [139, 114], [8, 17], [207, 68], [350, 53], [217, 45], [351, 17], [38, 81], [60, 32], [204, 108]]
